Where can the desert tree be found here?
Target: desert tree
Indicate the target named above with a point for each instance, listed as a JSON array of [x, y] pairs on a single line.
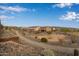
[[44, 40], [75, 52]]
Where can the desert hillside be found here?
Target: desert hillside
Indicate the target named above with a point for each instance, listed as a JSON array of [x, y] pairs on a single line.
[[38, 41]]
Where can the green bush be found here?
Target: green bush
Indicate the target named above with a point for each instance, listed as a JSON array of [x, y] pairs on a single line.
[[44, 40]]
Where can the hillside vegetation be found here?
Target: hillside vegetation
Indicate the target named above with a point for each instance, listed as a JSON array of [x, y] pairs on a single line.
[[38, 41]]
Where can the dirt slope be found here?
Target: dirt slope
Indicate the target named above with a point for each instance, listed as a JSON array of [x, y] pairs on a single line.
[[39, 44]]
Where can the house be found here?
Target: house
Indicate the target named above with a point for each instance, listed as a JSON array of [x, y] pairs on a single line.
[[48, 29], [37, 28], [45, 29]]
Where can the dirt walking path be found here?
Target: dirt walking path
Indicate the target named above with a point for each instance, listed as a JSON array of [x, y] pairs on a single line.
[[67, 50]]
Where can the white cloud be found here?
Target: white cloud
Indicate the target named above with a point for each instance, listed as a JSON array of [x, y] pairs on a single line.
[[70, 16], [2, 17], [62, 5], [13, 9], [9, 10]]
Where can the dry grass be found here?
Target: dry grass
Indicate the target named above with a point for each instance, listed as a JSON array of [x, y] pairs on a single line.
[[10, 43], [11, 48]]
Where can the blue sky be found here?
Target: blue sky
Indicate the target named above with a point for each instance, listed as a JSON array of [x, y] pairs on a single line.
[[40, 14]]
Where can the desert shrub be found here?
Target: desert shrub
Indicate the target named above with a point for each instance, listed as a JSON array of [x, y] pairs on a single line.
[[36, 32], [44, 40], [75, 52], [23, 33], [6, 28], [43, 31], [49, 32], [35, 37], [77, 30], [65, 30], [73, 41], [61, 41], [73, 38], [47, 52]]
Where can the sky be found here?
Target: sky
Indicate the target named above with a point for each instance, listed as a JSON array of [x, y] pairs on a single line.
[[40, 14]]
